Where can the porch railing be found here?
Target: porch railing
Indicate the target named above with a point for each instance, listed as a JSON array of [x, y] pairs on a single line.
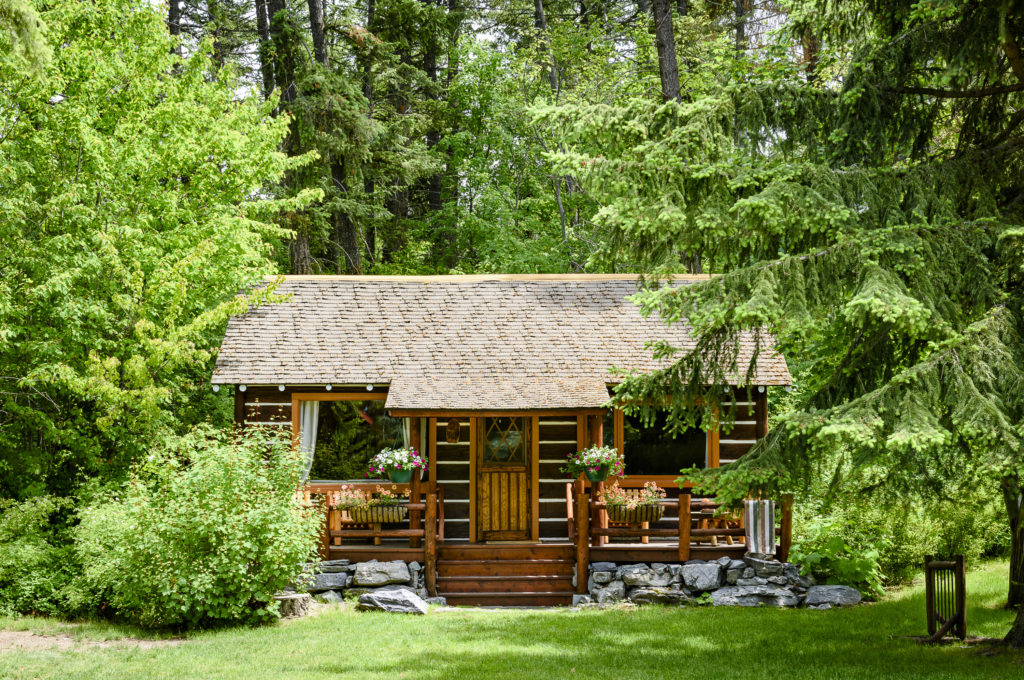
[[423, 526], [588, 527]]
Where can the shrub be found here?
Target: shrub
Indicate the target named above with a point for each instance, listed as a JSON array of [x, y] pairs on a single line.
[[37, 565], [205, 532]]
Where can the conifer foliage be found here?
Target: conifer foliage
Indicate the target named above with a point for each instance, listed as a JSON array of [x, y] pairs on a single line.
[[865, 207]]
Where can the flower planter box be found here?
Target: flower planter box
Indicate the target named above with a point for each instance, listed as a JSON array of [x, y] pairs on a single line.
[[637, 515], [378, 514]]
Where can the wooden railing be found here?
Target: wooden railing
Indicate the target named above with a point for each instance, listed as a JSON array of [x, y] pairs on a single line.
[[338, 525], [589, 528]]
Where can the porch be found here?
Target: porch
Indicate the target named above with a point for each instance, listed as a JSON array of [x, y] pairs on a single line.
[[532, 572]]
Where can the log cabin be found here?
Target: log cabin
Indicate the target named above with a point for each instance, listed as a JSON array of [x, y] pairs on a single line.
[[496, 379]]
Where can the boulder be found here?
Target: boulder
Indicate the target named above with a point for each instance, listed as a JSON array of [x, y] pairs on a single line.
[[603, 577], [613, 592], [763, 568], [778, 580], [754, 596], [579, 600], [602, 566], [294, 605], [394, 600], [334, 566], [330, 581], [329, 597], [708, 576], [754, 581], [659, 596], [836, 596], [381, 573], [737, 564], [643, 576], [724, 561], [415, 566], [733, 575]]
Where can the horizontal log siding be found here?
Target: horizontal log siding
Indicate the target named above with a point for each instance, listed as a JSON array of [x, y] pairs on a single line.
[[453, 474], [557, 440]]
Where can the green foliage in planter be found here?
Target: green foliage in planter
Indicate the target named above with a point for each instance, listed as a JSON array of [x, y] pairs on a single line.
[[205, 532], [37, 562]]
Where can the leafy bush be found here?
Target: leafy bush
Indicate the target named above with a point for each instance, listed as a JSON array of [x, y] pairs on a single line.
[[824, 552], [205, 532], [37, 565]]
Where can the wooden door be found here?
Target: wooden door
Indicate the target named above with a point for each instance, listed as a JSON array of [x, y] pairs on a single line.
[[503, 479]]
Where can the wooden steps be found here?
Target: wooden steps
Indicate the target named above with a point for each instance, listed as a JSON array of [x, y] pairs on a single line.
[[505, 575]]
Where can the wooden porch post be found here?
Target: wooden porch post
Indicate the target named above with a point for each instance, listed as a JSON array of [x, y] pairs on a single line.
[[582, 542], [786, 534], [414, 485], [684, 525], [430, 548]]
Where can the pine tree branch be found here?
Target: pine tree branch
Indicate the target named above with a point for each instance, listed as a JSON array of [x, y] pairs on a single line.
[[958, 94]]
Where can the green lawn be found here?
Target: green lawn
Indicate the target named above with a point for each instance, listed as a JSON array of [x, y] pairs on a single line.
[[863, 642]]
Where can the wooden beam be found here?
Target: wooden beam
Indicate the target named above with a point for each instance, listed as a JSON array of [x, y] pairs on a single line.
[[239, 407], [430, 546], [714, 447], [684, 525], [535, 478], [414, 486], [786, 534], [619, 423], [582, 542], [473, 446]]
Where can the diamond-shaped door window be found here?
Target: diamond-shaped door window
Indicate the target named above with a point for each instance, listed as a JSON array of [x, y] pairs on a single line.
[[505, 441]]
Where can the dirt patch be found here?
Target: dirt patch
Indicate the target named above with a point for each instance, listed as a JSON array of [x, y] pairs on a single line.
[[24, 640]]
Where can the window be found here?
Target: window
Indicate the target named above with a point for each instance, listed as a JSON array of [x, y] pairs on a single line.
[[350, 433], [649, 449], [504, 441]]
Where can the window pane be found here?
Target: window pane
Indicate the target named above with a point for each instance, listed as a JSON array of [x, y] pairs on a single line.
[[504, 441], [651, 450]]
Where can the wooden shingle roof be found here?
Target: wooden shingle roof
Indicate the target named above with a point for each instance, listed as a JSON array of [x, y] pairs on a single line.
[[457, 342]]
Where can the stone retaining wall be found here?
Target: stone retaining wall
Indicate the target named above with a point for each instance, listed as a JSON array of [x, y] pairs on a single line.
[[756, 580], [332, 580]]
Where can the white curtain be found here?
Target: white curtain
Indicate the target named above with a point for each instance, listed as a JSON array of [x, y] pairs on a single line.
[[309, 415]]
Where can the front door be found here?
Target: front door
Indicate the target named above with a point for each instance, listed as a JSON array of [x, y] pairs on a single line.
[[503, 479]]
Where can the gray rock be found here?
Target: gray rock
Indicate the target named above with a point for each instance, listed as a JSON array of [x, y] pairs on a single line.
[[578, 599], [754, 596], [659, 596], [791, 571], [700, 577], [329, 581], [334, 566], [826, 605], [603, 577], [724, 561], [381, 573], [696, 562], [748, 573], [613, 592], [439, 601], [838, 596], [778, 580], [394, 600], [642, 576], [602, 566], [292, 606], [415, 566], [329, 597], [733, 575], [755, 581], [676, 570], [763, 567], [737, 564]]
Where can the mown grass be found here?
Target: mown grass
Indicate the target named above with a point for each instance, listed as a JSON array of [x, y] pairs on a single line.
[[862, 642]]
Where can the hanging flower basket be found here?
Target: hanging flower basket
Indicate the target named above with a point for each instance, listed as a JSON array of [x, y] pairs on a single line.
[[378, 514], [398, 464], [637, 515], [400, 476], [596, 463], [598, 475]]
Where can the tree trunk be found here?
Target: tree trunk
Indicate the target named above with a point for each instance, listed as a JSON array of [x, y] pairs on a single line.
[[266, 59], [683, 7], [666, 43], [540, 22], [369, 187], [174, 24], [811, 46], [741, 25], [346, 235], [316, 29]]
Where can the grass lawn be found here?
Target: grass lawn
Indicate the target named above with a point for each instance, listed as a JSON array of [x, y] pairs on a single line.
[[862, 642]]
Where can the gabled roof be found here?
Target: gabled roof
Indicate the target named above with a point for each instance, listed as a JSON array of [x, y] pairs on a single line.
[[458, 342]]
